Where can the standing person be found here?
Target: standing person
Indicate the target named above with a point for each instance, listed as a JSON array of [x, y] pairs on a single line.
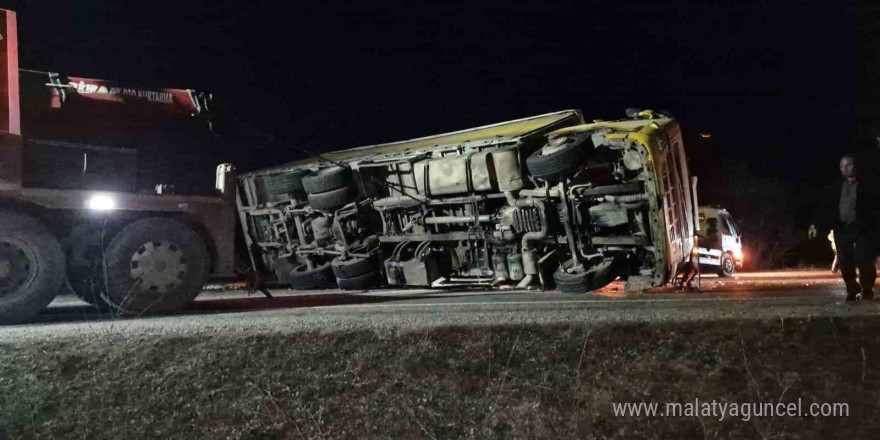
[[855, 230]]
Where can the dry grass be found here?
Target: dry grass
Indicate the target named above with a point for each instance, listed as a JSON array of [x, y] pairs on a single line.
[[498, 382]]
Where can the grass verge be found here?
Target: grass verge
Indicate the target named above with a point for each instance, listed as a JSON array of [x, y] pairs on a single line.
[[486, 382]]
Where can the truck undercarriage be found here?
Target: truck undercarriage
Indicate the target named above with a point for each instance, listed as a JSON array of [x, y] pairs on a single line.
[[564, 204]]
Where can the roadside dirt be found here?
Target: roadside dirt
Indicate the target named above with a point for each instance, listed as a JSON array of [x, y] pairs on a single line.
[[531, 382]]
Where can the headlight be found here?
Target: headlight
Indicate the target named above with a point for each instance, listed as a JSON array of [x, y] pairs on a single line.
[[739, 255], [101, 202]]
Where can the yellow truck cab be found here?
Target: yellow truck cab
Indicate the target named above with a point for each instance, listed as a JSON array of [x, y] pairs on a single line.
[[659, 219]]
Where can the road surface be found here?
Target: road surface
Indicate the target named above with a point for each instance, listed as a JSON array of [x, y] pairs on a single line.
[[775, 295]]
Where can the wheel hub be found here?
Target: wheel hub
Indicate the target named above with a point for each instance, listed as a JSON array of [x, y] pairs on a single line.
[[158, 266], [728, 265], [554, 145], [16, 267]]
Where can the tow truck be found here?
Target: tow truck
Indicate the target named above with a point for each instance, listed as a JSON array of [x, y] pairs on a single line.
[[84, 196]]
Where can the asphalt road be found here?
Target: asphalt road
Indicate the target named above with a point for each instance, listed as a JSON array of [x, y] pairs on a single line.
[[774, 295]]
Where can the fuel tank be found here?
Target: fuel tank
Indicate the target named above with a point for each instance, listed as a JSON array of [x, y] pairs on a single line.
[[483, 171]]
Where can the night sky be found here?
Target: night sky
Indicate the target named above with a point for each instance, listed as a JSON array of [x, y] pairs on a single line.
[[781, 86]]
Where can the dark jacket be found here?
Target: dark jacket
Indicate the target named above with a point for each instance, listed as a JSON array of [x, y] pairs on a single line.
[[867, 206]]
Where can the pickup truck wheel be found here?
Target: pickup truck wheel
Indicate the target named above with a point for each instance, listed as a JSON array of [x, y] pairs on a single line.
[[584, 280], [31, 267], [728, 266], [553, 164], [330, 200], [328, 179], [154, 265], [352, 267], [360, 282], [321, 277]]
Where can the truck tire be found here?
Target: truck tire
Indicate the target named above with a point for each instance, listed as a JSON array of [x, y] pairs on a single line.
[[557, 164], [584, 280], [360, 282], [31, 267], [321, 277], [727, 267], [328, 179], [330, 200], [88, 286], [280, 187], [352, 267], [570, 282], [84, 256], [154, 265]]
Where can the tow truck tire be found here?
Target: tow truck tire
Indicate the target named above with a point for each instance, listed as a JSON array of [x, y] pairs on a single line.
[[584, 281], [360, 282], [321, 277], [31, 267], [552, 166], [84, 274], [727, 267], [86, 285], [352, 267], [328, 179], [330, 200], [154, 265]]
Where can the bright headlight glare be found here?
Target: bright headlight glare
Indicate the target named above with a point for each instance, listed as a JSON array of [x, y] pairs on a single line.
[[101, 202]]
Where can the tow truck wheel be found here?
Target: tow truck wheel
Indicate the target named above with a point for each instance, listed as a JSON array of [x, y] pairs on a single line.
[[728, 266], [86, 284], [84, 257], [154, 265], [31, 267]]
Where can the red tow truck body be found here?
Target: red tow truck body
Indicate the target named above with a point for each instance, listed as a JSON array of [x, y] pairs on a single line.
[[68, 141]]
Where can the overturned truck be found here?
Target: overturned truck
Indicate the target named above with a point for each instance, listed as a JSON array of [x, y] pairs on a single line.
[[542, 201]]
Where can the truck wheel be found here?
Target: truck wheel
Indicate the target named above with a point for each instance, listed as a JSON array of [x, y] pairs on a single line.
[[280, 187], [330, 200], [154, 265], [584, 280], [352, 267], [574, 282], [728, 266], [87, 285], [84, 273], [360, 282], [321, 277], [553, 164], [328, 179], [31, 267]]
